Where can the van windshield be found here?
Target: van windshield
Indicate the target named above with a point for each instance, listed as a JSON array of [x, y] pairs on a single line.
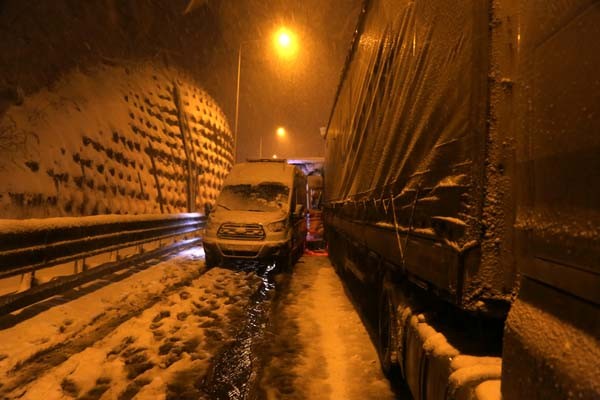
[[268, 196]]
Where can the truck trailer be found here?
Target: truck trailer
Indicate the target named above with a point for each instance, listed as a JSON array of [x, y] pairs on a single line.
[[462, 194]]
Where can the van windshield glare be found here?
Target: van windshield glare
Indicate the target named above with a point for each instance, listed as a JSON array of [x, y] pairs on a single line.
[[262, 197]]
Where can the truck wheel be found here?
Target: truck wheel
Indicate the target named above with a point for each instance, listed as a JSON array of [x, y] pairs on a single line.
[[386, 335]]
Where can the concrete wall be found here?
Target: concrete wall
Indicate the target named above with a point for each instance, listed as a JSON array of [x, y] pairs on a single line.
[[102, 110], [113, 140]]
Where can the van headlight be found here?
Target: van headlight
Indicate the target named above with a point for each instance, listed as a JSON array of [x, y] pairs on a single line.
[[278, 226]]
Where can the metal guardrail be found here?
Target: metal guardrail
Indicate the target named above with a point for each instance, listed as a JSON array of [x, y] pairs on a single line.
[[14, 301], [29, 245]]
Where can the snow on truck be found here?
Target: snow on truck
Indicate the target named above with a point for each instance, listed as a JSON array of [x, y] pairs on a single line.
[[462, 194], [259, 215]]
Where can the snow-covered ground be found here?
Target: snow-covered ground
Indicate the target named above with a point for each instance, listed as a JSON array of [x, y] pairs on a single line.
[[319, 347], [156, 334]]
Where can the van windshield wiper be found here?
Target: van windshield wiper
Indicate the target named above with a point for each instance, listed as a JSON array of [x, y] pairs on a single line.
[[225, 207]]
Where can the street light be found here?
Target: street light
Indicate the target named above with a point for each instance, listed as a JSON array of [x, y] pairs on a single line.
[[285, 42], [280, 132], [287, 46]]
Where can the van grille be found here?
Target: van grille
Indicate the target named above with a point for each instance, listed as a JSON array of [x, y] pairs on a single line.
[[241, 231]]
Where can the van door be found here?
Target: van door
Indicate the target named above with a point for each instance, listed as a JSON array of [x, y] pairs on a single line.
[[298, 214]]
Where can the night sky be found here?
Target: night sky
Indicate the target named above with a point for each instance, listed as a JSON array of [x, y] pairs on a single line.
[[296, 94], [44, 40]]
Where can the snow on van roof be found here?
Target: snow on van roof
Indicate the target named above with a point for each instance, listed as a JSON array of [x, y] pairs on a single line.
[[254, 173]]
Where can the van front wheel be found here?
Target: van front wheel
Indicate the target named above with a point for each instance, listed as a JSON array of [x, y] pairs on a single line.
[[284, 262], [210, 260]]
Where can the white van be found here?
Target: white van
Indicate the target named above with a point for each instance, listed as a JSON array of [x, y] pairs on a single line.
[[259, 215]]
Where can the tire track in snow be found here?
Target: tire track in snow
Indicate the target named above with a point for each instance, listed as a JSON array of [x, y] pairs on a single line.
[[234, 371], [164, 348], [319, 347], [102, 325]]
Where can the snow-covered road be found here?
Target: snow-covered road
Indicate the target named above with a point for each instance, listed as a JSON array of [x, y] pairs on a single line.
[[319, 348], [173, 330]]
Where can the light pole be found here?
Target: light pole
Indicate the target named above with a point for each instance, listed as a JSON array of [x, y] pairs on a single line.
[[237, 103], [286, 44]]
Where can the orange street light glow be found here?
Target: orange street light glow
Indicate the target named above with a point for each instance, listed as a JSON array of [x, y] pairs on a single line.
[[284, 39], [281, 131], [285, 42]]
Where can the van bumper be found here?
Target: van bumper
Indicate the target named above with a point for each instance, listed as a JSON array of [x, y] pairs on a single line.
[[238, 249]]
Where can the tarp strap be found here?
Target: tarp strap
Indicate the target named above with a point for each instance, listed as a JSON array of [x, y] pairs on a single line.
[[396, 229], [412, 214]]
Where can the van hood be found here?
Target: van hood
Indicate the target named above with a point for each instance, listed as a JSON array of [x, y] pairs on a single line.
[[247, 217], [255, 173]]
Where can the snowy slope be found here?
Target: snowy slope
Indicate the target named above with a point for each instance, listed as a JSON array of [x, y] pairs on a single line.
[[115, 140]]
